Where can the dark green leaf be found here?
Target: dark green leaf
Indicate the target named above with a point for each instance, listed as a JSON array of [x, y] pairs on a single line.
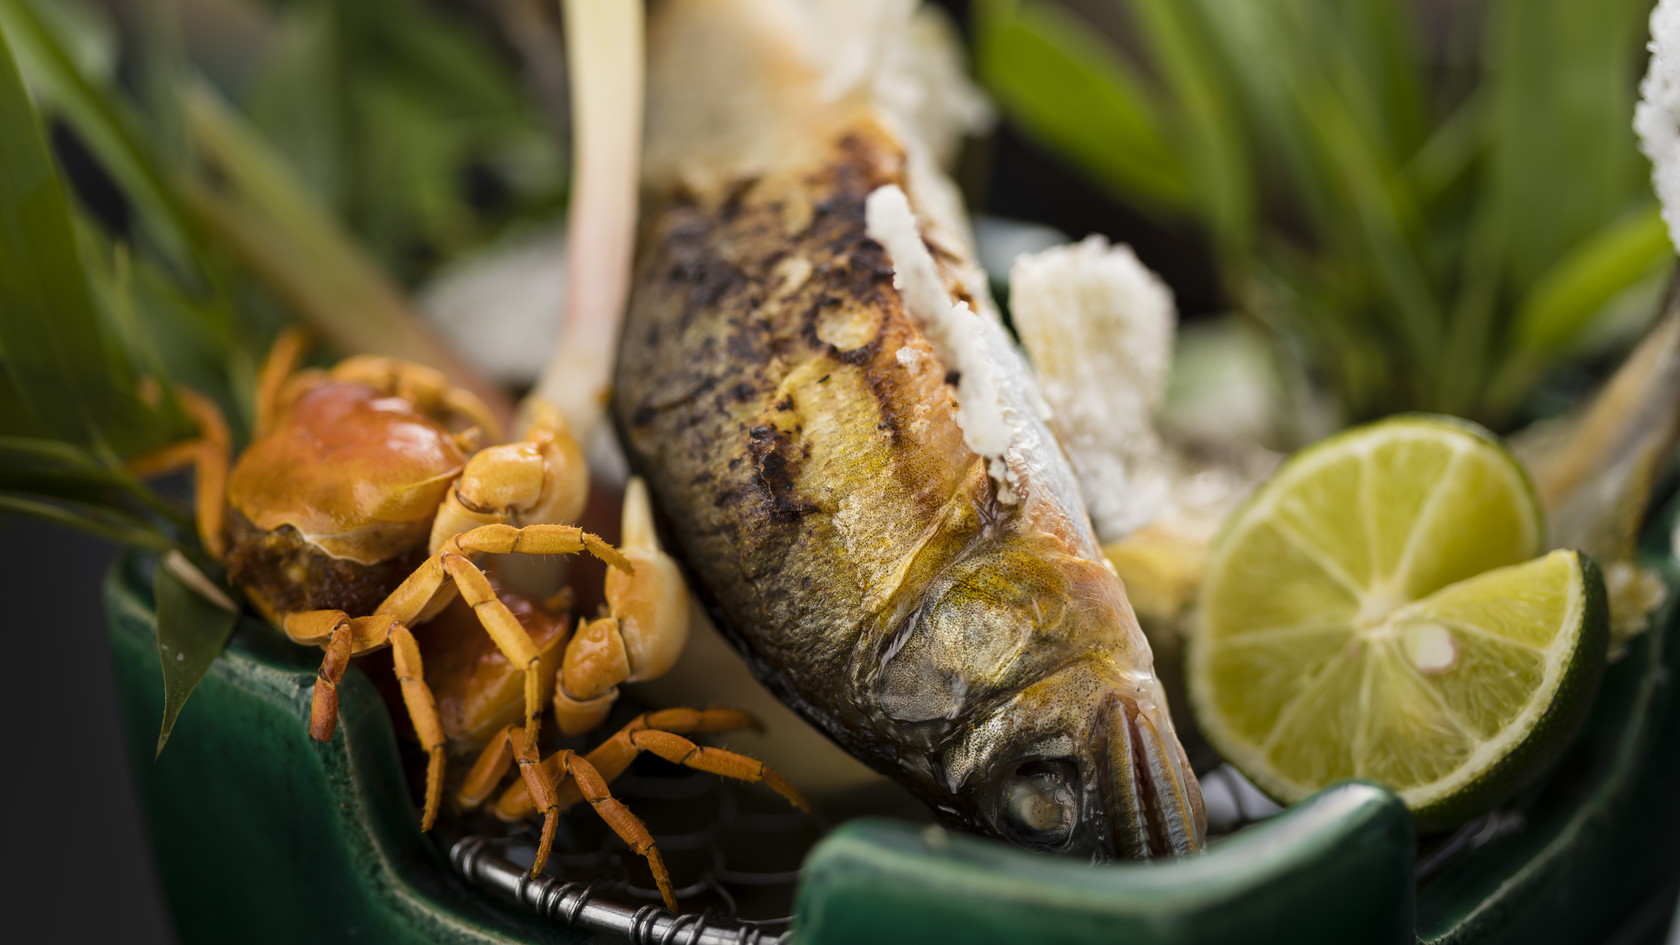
[[1066, 89], [103, 121], [122, 529], [56, 350], [192, 631]]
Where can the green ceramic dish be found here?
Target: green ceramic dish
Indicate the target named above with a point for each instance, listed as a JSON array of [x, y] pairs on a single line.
[[262, 835]]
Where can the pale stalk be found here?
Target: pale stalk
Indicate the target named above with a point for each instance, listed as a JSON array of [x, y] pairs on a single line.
[[605, 57], [273, 225]]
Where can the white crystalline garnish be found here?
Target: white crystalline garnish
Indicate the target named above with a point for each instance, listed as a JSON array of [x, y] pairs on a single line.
[[908, 58], [1656, 119], [1000, 410], [954, 331], [1098, 327]]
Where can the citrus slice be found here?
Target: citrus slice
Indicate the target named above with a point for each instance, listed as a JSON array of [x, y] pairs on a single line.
[[1373, 613]]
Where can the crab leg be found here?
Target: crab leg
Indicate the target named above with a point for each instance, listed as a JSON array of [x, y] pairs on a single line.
[[428, 389], [660, 733], [277, 369], [643, 634], [423, 712], [590, 786], [344, 637], [433, 584], [208, 456], [625, 746], [538, 781]]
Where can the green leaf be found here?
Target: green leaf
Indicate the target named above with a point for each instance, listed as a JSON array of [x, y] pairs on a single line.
[[192, 630], [55, 348], [1207, 136], [1580, 284], [103, 121], [1563, 163], [1064, 88], [99, 521]]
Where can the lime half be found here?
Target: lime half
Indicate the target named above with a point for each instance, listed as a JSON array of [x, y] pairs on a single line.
[[1378, 611]]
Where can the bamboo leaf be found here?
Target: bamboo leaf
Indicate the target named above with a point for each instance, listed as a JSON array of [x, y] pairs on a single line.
[[192, 630], [1562, 75], [56, 351], [102, 121], [1064, 88], [1206, 131], [1580, 284], [93, 520]]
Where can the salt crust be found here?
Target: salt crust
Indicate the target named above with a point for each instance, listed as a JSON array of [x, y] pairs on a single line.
[[954, 331], [1000, 410], [1098, 326], [1656, 119]]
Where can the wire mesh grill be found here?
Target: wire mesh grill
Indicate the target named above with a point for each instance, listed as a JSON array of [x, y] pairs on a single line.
[[733, 851]]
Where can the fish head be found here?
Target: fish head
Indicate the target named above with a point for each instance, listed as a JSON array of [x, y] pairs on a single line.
[[1064, 741], [1086, 763]]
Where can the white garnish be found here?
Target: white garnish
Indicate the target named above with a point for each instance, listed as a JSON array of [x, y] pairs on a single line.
[[1656, 119]]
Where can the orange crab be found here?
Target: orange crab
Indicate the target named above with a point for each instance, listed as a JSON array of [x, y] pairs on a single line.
[[361, 508]]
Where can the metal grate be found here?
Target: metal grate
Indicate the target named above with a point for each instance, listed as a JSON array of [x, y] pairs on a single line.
[[733, 851]]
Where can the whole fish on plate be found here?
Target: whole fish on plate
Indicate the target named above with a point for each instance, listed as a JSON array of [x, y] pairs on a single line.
[[849, 452]]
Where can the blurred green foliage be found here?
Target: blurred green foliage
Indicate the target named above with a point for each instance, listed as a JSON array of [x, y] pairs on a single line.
[[414, 131], [1428, 204]]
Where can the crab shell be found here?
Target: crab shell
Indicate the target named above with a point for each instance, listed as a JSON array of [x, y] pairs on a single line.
[[333, 506]]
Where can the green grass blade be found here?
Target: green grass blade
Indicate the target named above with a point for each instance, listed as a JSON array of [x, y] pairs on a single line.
[[1263, 54], [1563, 161], [1579, 285], [1070, 92], [1380, 69], [276, 227], [120, 529], [298, 97], [1205, 126]]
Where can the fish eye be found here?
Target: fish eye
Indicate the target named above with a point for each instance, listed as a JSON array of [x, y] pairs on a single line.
[[1040, 804]]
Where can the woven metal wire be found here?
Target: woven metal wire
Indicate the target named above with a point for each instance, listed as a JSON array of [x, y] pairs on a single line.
[[733, 851]]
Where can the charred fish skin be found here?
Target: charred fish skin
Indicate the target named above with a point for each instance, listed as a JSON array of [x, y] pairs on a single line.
[[798, 432], [759, 376]]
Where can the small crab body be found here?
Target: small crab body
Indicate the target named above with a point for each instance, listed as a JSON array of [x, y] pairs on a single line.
[[333, 507], [363, 507]]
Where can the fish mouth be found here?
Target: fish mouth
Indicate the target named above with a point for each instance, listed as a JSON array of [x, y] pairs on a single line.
[[1153, 799]]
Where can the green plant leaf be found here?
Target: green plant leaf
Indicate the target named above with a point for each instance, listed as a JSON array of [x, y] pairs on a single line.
[[103, 121], [1205, 131], [1064, 88], [1567, 297], [56, 350], [192, 630], [1562, 162], [94, 520]]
